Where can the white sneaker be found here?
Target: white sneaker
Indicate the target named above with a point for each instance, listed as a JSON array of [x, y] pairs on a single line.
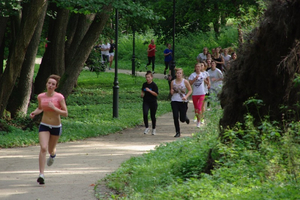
[[41, 179], [146, 131], [50, 161], [195, 119], [153, 131], [198, 124]]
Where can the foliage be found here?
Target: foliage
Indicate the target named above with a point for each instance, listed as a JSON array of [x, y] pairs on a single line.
[[242, 169], [185, 57], [90, 110], [193, 16]]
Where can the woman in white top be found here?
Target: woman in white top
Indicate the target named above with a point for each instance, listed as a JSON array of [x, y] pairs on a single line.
[[197, 80], [179, 99], [216, 77]]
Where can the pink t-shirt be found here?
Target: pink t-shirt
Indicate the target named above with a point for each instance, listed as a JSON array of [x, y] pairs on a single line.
[[55, 99]]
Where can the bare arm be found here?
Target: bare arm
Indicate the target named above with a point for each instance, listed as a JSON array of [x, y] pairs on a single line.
[[63, 111], [189, 88], [37, 111]]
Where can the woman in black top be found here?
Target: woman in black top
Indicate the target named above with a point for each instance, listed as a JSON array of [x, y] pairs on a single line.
[[149, 94]]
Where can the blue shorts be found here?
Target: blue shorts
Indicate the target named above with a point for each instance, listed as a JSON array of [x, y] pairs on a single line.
[[54, 130]]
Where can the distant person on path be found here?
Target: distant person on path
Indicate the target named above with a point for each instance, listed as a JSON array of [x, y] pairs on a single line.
[[197, 80], [105, 51], [216, 80], [168, 57], [111, 53], [202, 56], [179, 99], [53, 105], [151, 55], [149, 94]]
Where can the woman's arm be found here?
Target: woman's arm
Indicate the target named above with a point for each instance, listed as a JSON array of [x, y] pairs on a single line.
[[171, 89], [189, 88], [63, 111], [37, 111]]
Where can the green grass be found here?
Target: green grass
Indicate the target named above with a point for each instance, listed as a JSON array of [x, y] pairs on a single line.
[[176, 170], [90, 109]]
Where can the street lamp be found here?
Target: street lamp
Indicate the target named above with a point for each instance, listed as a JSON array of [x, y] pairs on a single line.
[[116, 83], [133, 48], [173, 64]]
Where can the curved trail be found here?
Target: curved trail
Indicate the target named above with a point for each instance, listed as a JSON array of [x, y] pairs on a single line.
[[79, 165]]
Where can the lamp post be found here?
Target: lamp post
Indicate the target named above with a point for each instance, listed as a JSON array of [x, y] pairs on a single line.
[[116, 83], [133, 48], [173, 64]]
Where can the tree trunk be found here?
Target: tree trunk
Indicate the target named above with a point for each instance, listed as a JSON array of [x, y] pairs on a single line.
[[19, 99], [18, 50], [77, 62], [3, 22], [53, 61], [84, 22], [258, 71], [240, 33]]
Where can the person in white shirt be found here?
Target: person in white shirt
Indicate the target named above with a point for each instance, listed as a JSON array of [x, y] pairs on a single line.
[[203, 56], [197, 80], [180, 91], [216, 77], [105, 51]]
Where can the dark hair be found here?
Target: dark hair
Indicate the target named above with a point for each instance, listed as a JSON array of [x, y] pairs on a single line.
[[149, 73], [55, 77]]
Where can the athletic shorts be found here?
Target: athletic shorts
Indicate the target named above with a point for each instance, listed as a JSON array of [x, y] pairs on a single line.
[[54, 130], [111, 54]]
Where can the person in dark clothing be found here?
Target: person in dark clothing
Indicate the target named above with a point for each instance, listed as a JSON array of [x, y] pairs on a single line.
[[149, 94]]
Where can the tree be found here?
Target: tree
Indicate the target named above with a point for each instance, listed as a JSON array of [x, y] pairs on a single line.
[[73, 28], [262, 81], [19, 47]]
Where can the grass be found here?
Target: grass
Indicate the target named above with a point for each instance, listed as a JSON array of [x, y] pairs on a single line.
[[177, 170], [90, 110]]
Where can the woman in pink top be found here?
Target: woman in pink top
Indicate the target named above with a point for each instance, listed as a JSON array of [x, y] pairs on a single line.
[[53, 105]]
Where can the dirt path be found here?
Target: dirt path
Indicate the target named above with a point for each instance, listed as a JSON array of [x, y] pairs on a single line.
[[79, 165]]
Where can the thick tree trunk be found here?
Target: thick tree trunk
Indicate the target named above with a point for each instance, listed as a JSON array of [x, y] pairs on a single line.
[[84, 22], [3, 22], [77, 62], [258, 71], [18, 50], [53, 61], [19, 99]]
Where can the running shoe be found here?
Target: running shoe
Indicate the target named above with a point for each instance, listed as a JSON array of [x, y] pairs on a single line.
[[153, 131], [50, 161], [41, 179], [146, 131], [198, 124], [195, 119]]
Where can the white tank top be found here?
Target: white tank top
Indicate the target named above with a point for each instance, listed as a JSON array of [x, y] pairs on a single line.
[[179, 91]]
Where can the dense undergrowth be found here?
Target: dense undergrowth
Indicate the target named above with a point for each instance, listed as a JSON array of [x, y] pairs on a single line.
[[90, 110], [242, 168]]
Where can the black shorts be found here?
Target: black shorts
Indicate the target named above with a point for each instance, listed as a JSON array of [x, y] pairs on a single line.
[[54, 130]]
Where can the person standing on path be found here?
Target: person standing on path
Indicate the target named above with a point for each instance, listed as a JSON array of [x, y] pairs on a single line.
[[197, 79], [168, 57], [149, 94], [53, 105], [179, 99], [111, 53], [151, 55]]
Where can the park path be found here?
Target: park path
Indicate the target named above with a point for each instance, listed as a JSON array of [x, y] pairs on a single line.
[[79, 165]]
